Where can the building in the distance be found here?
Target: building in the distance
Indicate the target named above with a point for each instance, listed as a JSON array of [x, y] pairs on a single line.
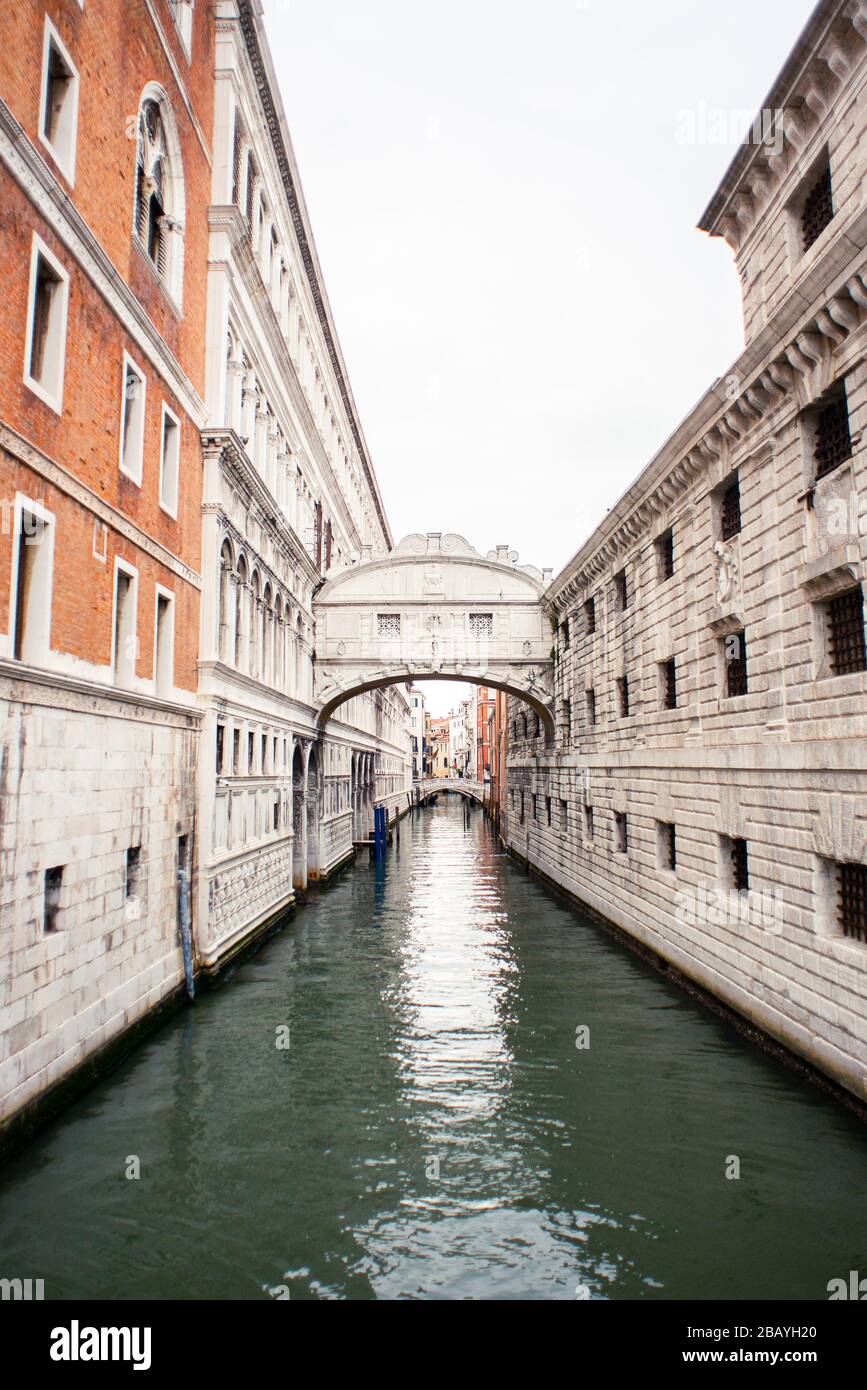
[[485, 703], [438, 740], [418, 733]]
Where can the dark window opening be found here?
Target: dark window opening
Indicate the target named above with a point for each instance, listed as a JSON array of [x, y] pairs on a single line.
[[133, 864], [669, 847], [833, 442], [590, 616], [736, 664], [221, 735], [665, 554], [566, 634], [852, 900], [623, 696], [730, 510], [846, 644], [621, 830], [669, 684], [740, 866], [621, 589], [591, 707], [51, 898], [818, 209]]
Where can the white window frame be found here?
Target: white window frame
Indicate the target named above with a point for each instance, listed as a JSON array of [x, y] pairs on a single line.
[[185, 30], [64, 161], [40, 643], [52, 399], [127, 473], [167, 684], [167, 411], [123, 567]]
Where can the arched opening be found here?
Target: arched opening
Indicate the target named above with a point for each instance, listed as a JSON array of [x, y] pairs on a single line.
[[159, 212], [227, 604], [299, 821], [240, 616]]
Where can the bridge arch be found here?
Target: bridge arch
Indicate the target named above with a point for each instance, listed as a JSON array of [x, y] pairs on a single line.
[[434, 609]]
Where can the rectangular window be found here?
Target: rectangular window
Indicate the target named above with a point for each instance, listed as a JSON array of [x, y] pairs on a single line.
[[164, 644], [668, 684], [481, 625], [170, 457], [740, 865], [818, 209], [45, 355], [125, 643], [58, 118], [182, 13], [832, 444], [132, 421], [133, 864], [665, 556], [588, 824], [623, 696], [852, 900], [251, 753], [847, 651], [52, 884], [263, 764], [548, 809], [388, 625], [236, 751], [590, 616], [564, 815], [565, 634], [221, 739], [621, 832], [730, 510], [735, 657], [535, 806], [522, 808], [34, 566], [567, 720], [666, 845], [621, 590]]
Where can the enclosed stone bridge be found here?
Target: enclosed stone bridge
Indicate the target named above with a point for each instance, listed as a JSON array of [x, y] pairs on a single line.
[[434, 609]]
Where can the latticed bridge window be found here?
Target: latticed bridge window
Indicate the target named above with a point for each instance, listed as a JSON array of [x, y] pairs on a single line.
[[847, 651], [852, 900], [481, 624], [833, 442], [388, 625], [818, 209]]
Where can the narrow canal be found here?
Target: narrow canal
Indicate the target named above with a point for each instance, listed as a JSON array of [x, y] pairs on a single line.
[[432, 1130]]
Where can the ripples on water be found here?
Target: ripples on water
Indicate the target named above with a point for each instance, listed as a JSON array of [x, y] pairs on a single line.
[[432, 1132]]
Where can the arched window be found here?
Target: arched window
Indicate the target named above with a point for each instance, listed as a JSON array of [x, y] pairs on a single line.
[[159, 191]]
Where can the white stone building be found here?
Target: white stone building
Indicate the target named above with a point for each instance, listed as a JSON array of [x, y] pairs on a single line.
[[289, 494], [417, 726], [707, 791]]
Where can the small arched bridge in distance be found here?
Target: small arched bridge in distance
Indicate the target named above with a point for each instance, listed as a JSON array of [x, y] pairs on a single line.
[[463, 786], [434, 609]]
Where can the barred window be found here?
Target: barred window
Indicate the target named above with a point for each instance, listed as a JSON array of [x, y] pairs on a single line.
[[818, 209], [564, 815], [667, 845], [388, 625], [548, 809], [621, 590], [665, 555], [852, 900], [735, 649], [730, 510], [847, 651], [565, 631], [621, 832], [740, 865], [833, 442], [591, 707], [567, 719], [481, 624], [588, 822], [590, 616]]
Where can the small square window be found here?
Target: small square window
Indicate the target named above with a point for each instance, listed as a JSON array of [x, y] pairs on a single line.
[[481, 625], [170, 457], [847, 651], [388, 625], [621, 832], [665, 556], [735, 659]]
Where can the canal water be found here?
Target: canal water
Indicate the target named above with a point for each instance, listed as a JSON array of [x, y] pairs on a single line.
[[431, 1130]]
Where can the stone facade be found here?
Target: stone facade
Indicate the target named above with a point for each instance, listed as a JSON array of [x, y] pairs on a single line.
[[707, 790]]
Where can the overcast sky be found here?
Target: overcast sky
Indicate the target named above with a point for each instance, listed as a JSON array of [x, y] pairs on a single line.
[[504, 196]]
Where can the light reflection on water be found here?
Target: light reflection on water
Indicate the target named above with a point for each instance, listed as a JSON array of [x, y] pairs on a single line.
[[432, 1132]]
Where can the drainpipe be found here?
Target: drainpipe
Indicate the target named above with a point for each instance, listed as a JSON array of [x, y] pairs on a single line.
[[186, 928]]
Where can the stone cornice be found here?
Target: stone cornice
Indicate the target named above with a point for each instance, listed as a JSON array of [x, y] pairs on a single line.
[[54, 204], [806, 92], [260, 60], [66, 482], [795, 358], [233, 460], [138, 706]]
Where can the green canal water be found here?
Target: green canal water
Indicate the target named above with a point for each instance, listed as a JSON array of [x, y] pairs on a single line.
[[432, 1131]]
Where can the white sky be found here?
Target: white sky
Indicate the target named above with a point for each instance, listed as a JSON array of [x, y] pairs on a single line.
[[504, 198]]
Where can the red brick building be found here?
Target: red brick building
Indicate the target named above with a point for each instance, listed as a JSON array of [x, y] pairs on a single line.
[[105, 163]]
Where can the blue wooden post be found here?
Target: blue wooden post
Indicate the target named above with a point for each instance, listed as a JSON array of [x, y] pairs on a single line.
[[380, 831]]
